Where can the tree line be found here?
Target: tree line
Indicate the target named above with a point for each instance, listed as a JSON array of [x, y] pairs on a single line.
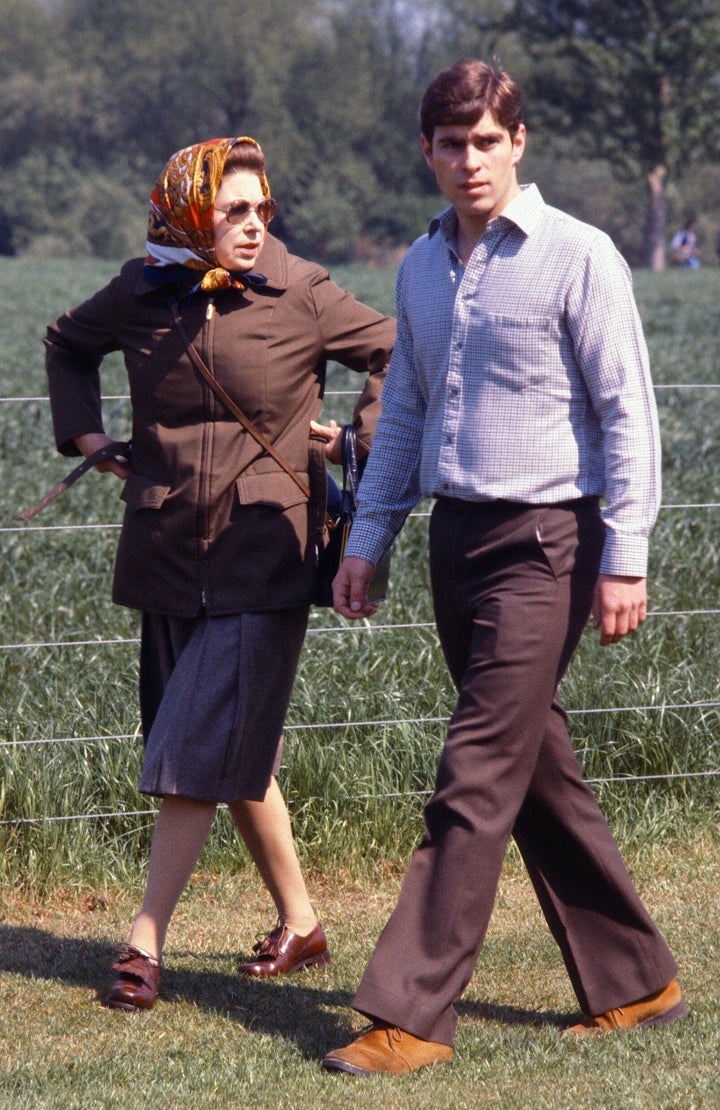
[[95, 97]]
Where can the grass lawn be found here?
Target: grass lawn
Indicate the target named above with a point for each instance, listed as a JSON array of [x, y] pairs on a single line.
[[214, 1040]]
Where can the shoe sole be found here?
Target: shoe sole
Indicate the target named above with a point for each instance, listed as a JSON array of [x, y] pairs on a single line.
[[675, 1013], [667, 1017], [321, 960], [128, 1007], [341, 1065]]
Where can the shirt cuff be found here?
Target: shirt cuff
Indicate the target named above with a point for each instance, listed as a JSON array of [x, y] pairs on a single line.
[[367, 542], [624, 555]]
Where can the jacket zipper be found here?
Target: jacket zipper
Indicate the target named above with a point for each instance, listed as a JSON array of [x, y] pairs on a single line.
[[206, 456]]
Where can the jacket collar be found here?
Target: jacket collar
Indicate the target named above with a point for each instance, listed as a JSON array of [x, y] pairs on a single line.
[[273, 263]]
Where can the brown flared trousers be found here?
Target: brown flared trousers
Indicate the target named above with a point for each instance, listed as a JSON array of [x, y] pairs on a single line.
[[512, 588]]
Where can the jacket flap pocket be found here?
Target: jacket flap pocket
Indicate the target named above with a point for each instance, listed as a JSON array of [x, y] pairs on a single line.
[[141, 492], [273, 488]]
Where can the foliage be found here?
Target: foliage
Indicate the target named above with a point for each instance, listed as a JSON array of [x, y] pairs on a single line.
[[636, 81], [329, 91], [94, 98]]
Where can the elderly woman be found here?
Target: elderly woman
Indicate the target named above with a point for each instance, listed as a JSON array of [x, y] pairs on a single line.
[[219, 541]]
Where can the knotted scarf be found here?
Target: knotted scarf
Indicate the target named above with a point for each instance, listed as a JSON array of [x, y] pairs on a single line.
[[180, 223]]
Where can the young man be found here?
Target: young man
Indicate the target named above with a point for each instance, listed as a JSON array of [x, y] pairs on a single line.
[[518, 394]]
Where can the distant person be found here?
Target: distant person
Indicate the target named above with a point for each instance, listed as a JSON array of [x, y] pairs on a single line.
[[218, 543], [684, 249], [518, 395]]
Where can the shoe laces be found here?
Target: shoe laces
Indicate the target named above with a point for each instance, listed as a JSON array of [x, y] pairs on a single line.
[[269, 945], [131, 952], [394, 1033]]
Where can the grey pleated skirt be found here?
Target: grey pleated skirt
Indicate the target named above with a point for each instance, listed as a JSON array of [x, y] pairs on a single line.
[[214, 692]]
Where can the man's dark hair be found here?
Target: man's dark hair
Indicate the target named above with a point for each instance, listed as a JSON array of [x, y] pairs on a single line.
[[465, 92]]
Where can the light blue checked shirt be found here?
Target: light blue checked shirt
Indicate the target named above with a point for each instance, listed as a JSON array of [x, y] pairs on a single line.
[[523, 376]]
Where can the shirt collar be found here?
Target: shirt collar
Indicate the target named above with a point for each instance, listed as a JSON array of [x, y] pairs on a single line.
[[525, 211]]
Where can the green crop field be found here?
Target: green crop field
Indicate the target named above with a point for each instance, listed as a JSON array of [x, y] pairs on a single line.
[[364, 730], [367, 715]]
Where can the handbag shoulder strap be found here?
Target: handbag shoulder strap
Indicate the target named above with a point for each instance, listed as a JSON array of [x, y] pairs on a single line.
[[230, 404], [349, 462]]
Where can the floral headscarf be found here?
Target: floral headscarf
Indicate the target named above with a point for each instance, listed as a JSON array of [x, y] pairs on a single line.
[[180, 223]]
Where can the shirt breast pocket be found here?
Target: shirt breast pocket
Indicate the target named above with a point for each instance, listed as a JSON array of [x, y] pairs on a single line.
[[521, 352]]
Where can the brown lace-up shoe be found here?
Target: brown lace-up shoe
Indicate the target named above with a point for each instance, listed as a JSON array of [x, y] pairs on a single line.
[[385, 1048], [282, 953], [137, 982], [662, 1008]]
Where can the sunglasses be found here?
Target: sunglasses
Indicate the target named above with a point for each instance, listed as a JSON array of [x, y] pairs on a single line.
[[241, 210]]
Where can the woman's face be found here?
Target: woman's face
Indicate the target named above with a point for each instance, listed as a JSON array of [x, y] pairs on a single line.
[[237, 245]]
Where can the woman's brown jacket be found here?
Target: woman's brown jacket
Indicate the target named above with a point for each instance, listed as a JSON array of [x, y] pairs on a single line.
[[212, 524]]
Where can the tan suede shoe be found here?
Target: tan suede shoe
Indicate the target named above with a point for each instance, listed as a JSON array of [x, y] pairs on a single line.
[[385, 1048], [661, 1008]]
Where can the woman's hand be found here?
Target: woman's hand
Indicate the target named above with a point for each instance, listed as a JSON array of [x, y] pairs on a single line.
[[92, 442], [331, 434]]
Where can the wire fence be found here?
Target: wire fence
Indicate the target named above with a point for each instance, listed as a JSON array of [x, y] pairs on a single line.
[[336, 629]]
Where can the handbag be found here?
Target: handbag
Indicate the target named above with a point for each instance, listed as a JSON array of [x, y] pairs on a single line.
[[341, 509]]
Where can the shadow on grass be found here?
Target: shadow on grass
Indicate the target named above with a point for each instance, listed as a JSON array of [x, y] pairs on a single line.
[[512, 1015], [297, 1009]]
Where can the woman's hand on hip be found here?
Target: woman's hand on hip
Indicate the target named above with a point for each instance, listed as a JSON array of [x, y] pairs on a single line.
[[94, 441]]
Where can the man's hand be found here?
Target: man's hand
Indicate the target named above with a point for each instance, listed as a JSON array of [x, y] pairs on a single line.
[[619, 606], [93, 441], [350, 589]]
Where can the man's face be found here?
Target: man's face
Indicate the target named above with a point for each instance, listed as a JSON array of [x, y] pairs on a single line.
[[476, 167]]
